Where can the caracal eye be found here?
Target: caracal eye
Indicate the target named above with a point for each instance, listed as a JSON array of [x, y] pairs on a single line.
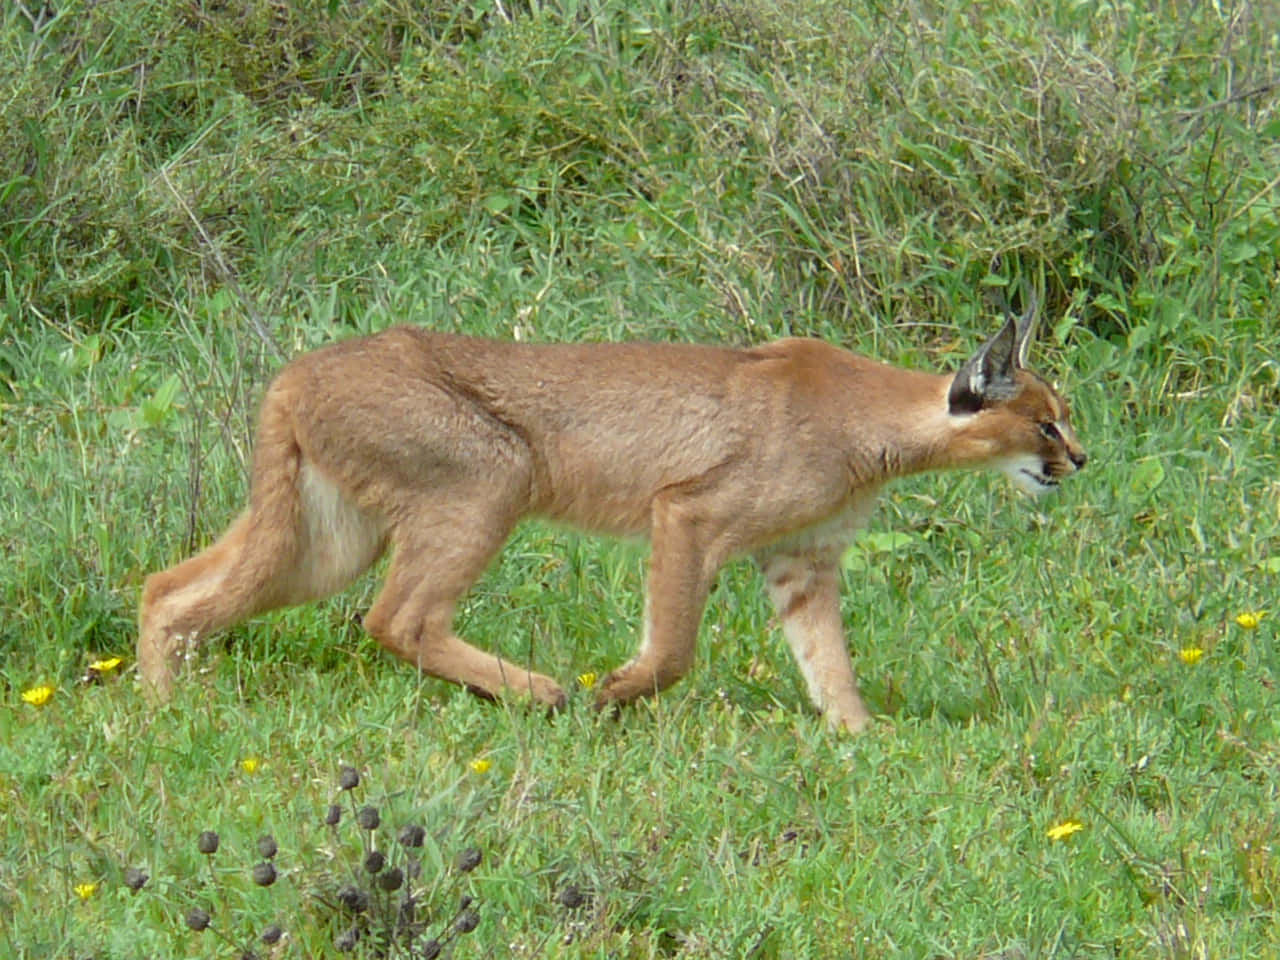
[[1050, 431]]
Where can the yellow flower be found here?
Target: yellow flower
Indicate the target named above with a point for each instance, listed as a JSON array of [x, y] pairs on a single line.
[[250, 764], [1190, 655], [1065, 829], [105, 666], [586, 680], [480, 765], [85, 890], [1250, 619], [38, 696]]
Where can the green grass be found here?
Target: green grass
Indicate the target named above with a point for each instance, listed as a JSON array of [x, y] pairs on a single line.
[[196, 192]]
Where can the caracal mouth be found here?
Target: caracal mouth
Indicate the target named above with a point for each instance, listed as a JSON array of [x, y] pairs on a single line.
[[1040, 480], [1031, 476]]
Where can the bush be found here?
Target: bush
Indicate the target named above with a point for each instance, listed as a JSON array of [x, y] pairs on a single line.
[[850, 160]]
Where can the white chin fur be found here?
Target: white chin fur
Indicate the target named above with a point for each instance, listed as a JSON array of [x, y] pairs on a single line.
[[1027, 474]]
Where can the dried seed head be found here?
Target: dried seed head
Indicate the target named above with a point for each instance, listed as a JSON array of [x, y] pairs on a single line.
[[208, 843], [467, 921], [197, 919], [431, 949], [264, 873], [391, 880], [571, 897], [267, 846], [368, 818], [412, 835], [347, 940], [135, 879], [467, 860], [353, 898], [348, 778], [272, 934], [333, 815], [374, 861], [465, 901]]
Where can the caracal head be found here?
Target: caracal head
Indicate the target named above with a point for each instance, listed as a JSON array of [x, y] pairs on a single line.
[[1013, 419]]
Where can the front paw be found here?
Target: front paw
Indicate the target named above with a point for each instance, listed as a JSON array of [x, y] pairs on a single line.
[[853, 718], [622, 686]]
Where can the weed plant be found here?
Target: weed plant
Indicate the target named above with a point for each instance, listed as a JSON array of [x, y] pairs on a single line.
[[371, 892], [1077, 752]]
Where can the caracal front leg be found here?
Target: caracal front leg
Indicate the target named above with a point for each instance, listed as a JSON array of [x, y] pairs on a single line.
[[806, 592], [682, 564]]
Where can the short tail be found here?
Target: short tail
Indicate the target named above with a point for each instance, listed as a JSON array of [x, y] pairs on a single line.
[[273, 538]]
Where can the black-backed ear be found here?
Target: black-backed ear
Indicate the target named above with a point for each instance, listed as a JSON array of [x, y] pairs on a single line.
[[990, 374]]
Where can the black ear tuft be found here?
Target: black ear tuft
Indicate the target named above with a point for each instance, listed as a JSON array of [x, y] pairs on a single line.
[[1026, 325]]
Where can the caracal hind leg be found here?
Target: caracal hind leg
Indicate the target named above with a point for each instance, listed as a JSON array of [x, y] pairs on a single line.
[[806, 592], [439, 552], [682, 565], [237, 575], [182, 605], [312, 542]]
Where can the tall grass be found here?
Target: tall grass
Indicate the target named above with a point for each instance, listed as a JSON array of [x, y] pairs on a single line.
[[877, 156]]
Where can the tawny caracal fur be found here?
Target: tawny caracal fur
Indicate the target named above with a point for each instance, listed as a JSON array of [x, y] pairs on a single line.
[[434, 446]]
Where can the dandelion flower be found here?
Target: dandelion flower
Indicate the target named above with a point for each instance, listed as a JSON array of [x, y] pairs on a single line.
[[586, 680], [38, 696], [85, 890], [105, 666], [1250, 619], [250, 765], [480, 765], [1190, 655], [1065, 829]]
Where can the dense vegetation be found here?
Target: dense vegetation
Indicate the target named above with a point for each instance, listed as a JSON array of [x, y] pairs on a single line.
[[197, 190]]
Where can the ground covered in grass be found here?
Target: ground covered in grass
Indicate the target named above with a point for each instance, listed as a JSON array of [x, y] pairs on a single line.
[[1077, 752]]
